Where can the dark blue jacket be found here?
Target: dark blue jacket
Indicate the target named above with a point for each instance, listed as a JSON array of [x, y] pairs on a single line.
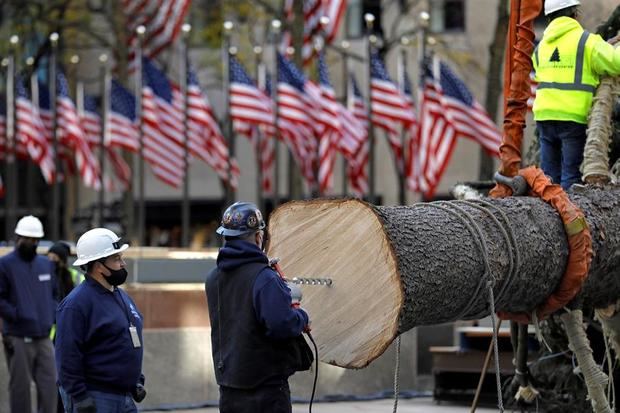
[[94, 350], [255, 334], [271, 295], [27, 295]]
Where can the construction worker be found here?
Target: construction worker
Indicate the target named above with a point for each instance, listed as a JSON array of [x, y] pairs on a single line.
[[255, 332], [568, 62], [67, 277], [27, 305], [99, 333]]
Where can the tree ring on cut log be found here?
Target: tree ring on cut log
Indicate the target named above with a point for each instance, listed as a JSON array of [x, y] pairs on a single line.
[[306, 249]]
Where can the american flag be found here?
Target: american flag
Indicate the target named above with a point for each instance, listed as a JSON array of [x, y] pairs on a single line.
[[71, 135], [31, 132], [449, 111], [297, 120], [161, 18], [389, 107], [356, 167], [122, 129], [65, 153], [206, 141], [20, 148], [412, 163], [332, 131], [345, 133], [162, 124], [91, 123], [313, 11], [252, 113]]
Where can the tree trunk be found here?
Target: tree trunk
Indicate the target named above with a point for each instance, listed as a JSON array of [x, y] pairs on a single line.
[[395, 268]]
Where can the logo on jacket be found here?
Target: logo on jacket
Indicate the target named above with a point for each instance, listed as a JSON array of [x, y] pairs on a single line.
[[134, 312], [555, 56]]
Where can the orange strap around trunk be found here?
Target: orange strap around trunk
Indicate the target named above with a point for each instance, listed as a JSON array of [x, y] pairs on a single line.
[[516, 86], [579, 245]]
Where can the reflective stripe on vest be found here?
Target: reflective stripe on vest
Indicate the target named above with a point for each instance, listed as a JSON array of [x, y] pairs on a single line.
[[577, 84]]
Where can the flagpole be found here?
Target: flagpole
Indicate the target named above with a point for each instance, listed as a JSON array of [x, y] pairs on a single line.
[[276, 26], [34, 93], [259, 68], [345, 100], [400, 169], [228, 27], [141, 222], [55, 215], [11, 161], [316, 190], [105, 113], [370, 39], [184, 63], [79, 107], [422, 39]]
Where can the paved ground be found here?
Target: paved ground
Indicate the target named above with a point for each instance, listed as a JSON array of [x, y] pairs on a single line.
[[423, 405]]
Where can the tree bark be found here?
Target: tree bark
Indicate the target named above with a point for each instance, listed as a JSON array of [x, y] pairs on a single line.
[[395, 268]]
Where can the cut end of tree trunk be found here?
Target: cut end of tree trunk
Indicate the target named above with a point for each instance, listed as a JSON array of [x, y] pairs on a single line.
[[356, 318]]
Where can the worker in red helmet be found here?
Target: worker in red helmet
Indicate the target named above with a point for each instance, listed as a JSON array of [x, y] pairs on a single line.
[[256, 334], [568, 63]]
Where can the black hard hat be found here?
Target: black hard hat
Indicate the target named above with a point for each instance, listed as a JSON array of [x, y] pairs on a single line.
[[241, 218], [61, 249]]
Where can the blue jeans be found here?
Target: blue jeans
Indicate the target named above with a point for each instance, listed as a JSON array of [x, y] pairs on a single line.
[[105, 402], [561, 150]]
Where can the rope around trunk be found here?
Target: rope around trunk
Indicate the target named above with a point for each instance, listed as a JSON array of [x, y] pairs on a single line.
[[595, 166]]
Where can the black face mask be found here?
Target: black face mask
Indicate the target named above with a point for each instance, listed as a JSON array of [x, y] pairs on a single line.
[[116, 277], [26, 251]]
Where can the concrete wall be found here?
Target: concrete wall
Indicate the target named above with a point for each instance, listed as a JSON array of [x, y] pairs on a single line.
[[177, 354], [179, 370]]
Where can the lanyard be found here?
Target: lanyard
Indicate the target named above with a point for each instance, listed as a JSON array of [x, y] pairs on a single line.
[[123, 306]]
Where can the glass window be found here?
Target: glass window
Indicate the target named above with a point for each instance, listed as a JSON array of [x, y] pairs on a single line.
[[355, 19], [356, 9], [447, 16]]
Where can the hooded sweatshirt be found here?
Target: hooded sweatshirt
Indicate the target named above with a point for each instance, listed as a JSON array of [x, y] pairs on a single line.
[[271, 295], [567, 78]]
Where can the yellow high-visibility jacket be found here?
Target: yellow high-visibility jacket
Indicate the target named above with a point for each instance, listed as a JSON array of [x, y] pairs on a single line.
[[568, 62]]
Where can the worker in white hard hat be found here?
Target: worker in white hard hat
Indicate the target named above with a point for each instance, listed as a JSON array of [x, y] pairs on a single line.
[[27, 306], [99, 333], [568, 63]]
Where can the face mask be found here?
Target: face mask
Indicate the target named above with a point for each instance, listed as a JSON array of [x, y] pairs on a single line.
[[27, 251], [116, 277]]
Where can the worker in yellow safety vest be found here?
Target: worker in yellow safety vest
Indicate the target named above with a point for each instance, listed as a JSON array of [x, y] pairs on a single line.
[[568, 63], [66, 277]]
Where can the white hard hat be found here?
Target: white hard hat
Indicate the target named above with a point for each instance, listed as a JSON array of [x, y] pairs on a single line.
[[97, 243], [555, 5], [29, 226]]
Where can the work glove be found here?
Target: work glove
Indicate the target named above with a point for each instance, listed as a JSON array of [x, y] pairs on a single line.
[[85, 406], [139, 393]]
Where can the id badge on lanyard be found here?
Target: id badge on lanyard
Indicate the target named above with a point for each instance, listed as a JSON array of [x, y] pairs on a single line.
[[135, 339]]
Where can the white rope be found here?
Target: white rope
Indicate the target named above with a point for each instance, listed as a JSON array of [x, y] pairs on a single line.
[[578, 342], [595, 166], [397, 375], [500, 400]]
